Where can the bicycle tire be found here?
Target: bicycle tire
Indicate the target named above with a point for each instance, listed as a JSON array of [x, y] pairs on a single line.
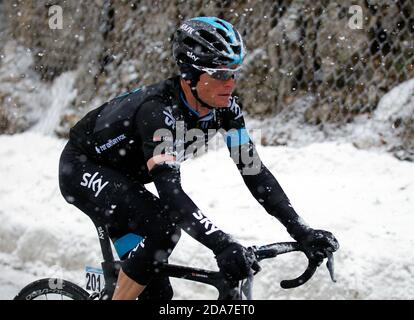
[[41, 287]]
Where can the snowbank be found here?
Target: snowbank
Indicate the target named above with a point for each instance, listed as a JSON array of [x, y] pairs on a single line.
[[392, 124], [363, 197]]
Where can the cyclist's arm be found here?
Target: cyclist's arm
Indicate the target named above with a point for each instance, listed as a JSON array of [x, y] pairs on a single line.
[[183, 211], [163, 166], [257, 177]]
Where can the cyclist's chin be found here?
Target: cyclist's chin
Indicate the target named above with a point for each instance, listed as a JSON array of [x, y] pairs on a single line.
[[222, 101]]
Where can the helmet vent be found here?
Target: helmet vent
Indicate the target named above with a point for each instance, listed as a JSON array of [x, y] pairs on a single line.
[[236, 49], [219, 22], [212, 39], [190, 42], [224, 35]]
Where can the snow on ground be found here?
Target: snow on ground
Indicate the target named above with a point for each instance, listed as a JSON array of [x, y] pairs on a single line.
[[363, 197]]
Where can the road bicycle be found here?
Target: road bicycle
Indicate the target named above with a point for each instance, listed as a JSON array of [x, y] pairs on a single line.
[[53, 288]]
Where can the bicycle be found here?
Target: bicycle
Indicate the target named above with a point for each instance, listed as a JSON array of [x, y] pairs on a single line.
[[228, 289]]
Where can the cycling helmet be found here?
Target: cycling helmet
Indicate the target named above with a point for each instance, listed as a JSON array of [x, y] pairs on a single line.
[[208, 42], [203, 44]]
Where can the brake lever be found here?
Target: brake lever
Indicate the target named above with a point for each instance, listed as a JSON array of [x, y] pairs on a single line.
[[252, 258], [330, 266], [247, 286]]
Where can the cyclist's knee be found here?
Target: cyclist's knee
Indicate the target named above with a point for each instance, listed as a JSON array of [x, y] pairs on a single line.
[[143, 261], [154, 250]]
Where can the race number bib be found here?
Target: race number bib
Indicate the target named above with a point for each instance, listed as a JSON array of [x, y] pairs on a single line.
[[94, 279]]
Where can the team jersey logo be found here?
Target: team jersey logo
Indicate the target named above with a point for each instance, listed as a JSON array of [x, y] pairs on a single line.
[[169, 118], [110, 143], [205, 222], [91, 182], [235, 108]]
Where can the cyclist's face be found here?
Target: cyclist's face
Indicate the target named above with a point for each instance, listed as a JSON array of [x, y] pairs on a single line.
[[215, 92]]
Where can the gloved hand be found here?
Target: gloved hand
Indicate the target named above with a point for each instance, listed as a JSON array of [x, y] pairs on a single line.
[[235, 261], [317, 244]]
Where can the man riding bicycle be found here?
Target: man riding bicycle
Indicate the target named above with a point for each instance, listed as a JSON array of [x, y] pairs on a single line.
[[138, 138]]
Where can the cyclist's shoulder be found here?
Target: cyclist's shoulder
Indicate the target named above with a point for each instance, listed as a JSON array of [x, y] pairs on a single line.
[[125, 106], [159, 95], [159, 101], [154, 92]]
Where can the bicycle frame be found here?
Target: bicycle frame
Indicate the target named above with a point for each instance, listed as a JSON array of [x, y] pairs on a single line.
[[228, 290]]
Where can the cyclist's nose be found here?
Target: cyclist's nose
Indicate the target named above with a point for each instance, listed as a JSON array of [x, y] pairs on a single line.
[[229, 83]]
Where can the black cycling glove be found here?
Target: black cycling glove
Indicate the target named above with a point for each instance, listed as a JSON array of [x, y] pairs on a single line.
[[317, 244], [235, 261]]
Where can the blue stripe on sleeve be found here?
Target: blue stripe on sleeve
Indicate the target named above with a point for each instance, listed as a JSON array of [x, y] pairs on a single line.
[[235, 138]]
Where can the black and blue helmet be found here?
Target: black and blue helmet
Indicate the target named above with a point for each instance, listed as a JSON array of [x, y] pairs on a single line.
[[208, 42]]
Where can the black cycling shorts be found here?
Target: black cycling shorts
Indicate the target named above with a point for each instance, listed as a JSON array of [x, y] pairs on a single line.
[[125, 206]]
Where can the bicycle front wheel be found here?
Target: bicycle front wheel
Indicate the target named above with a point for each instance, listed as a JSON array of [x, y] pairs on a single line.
[[52, 289]]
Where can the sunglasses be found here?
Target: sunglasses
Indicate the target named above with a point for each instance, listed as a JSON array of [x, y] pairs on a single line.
[[220, 73]]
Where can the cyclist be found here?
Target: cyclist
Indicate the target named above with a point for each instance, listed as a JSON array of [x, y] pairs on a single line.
[[141, 137]]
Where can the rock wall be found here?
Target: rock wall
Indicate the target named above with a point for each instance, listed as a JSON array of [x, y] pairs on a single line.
[[295, 49]]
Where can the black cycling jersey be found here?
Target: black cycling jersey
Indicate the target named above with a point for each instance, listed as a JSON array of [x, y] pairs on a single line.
[[120, 133], [107, 156]]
